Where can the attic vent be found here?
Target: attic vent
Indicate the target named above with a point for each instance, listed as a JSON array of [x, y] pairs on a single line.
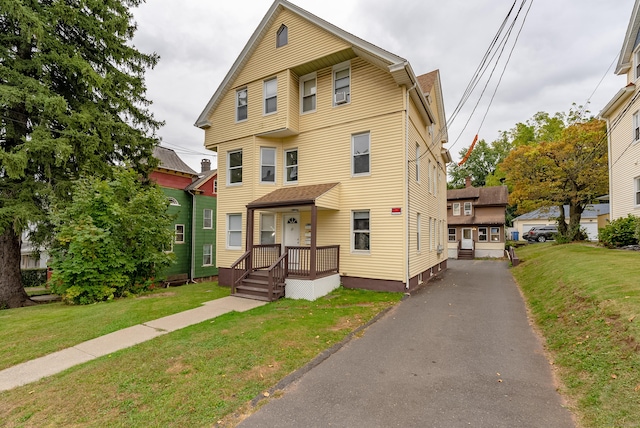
[[173, 201], [282, 36]]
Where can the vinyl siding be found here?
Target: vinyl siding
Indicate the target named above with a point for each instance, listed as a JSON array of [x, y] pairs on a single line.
[[181, 265], [204, 236]]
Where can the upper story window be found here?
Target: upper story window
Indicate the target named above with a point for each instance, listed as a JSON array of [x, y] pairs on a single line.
[[341, 84], [637, 190], [291, 166], [467, 208], [241, 104], [179, 236], [267, 165], [636, 126], [271, 96], [215, 185], [636, 63], [282, 36], [417, 162], [234, 167], [456, 208], [207, 218], [361, 164], [308, 85], [173, 201]]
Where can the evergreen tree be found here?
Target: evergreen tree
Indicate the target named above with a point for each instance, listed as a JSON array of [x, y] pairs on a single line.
[[72, 103]]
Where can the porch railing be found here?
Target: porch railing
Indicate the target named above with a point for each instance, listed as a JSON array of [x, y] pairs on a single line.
[[277, 274], [240, 270], [327, 261], [263, 256]]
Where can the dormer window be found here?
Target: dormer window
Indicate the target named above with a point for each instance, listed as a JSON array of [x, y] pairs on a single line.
[[282, 36]]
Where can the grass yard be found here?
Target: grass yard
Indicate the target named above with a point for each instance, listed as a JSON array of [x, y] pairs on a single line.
[[198, 376], [31, 332], [586, 301]]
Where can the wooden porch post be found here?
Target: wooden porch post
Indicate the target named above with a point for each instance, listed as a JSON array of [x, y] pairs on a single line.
[[249, 237], [312, 254]]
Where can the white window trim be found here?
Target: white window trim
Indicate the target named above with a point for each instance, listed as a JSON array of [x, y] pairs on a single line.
[[229, 153], [636, 193], [485, 234], [229, 231], [173, 201], [264, 97], [336, 68], [636, 127], [176, 233], [456, 208], [204, 218], [286, 42], [636, 64], [303, 79], [210, 246], [470, 211], [353, 155], [430, 178], [418, 232], [238, 106], [215, 186], [455, 234], [262, 225], [417, 162], [275, 162], [353, 233], [491, 234], [286, 167]]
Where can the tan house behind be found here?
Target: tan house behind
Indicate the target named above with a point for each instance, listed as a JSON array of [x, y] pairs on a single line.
[[331, 163]]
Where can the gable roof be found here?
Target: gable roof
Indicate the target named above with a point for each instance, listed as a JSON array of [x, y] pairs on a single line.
[[203, 179], [292, 196], [625, 60], [485, 196], [428, 82], [169, 160], [397, 66]]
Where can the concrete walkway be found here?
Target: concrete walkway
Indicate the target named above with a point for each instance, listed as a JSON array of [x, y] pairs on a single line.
[[48, 365], [459, 352]]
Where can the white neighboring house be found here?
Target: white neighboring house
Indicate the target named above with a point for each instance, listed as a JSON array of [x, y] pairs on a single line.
[[28, 260], [594, 217], [622, 115]]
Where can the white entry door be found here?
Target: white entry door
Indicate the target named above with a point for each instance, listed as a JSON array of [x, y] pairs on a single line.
[[467, 239], [292, 237]]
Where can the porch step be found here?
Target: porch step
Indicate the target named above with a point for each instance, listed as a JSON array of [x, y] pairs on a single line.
[[256, 286], [465, 255], [252, 297]]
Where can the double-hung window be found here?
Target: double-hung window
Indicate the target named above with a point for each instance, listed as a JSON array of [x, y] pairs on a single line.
[[234, 167], [418, 162], [636, 126], [291, 166], [495, 234], [267, 229], [308, 85], [361, 162], [241, 104], [360, 231], [456, 208], [452, 234], [271, 96], [482, 234], [207, 218], [267, 165], [179, 236], [341, 84], [637, 190], [234, 231], [467, 208], [207, 255], [418, 232]]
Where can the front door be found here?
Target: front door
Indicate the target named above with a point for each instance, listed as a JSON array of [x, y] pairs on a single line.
[[467, 239], [292, 237]]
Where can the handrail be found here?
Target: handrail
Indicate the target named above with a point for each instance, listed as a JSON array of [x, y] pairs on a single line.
[[236, 278]]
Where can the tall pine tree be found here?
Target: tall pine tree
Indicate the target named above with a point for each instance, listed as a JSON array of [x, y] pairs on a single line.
[[72, 102]]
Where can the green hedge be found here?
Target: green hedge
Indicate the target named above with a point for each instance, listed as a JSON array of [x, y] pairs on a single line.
[[34, 277]]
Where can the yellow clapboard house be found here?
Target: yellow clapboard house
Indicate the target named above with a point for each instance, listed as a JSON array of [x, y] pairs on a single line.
[[331, 163]]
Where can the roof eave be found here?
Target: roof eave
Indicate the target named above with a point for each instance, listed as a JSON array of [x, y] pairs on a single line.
[[619, 98]]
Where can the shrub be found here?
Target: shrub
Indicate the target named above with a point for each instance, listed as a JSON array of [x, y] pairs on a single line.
[[34, 277], [620, 232]]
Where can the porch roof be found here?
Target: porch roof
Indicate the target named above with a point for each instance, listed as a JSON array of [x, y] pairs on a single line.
[[322, 195]]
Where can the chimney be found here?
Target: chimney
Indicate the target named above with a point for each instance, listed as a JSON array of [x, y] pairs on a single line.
[[205, 164], [467, 182]]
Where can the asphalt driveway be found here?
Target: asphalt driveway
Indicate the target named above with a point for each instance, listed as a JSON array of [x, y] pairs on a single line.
[[458, 353]]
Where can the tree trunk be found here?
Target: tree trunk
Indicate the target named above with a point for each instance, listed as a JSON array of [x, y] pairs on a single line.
[[575, 214], [12, 294], [562, 222]]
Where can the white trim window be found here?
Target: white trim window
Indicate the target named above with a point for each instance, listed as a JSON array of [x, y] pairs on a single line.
[[234, 231], [234, 167], [467, 208], [267, 229], [271, 96], [207, 218], [342, 83], [360, 232], [360, 154], [482, 234], [267, 165], [636, 126], [495, 234], [430, 177], [452, 234], [173, 201], [456, 208], [215, 185], [636, 64], [282, 36], [418, 232], [435, 233], [308, 87], [418, 162], [179, 236], [241, 104], [207, 255], [637, 191], [291, 166]]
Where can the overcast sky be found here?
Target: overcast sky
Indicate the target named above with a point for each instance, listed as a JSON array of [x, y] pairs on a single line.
[[564, 50]]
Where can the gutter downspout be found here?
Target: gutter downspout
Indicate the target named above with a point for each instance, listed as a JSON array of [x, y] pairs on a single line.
[[610, 169], [407, 171], [192, 268]]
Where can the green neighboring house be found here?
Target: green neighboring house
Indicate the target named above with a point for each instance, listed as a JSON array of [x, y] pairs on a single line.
[[193, 199]]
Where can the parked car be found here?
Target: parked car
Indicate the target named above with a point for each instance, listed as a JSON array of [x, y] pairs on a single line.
[[541, 234]]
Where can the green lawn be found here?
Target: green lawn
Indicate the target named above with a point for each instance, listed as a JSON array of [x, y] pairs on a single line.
[[586, 301], [31, 332], [197, 376]]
